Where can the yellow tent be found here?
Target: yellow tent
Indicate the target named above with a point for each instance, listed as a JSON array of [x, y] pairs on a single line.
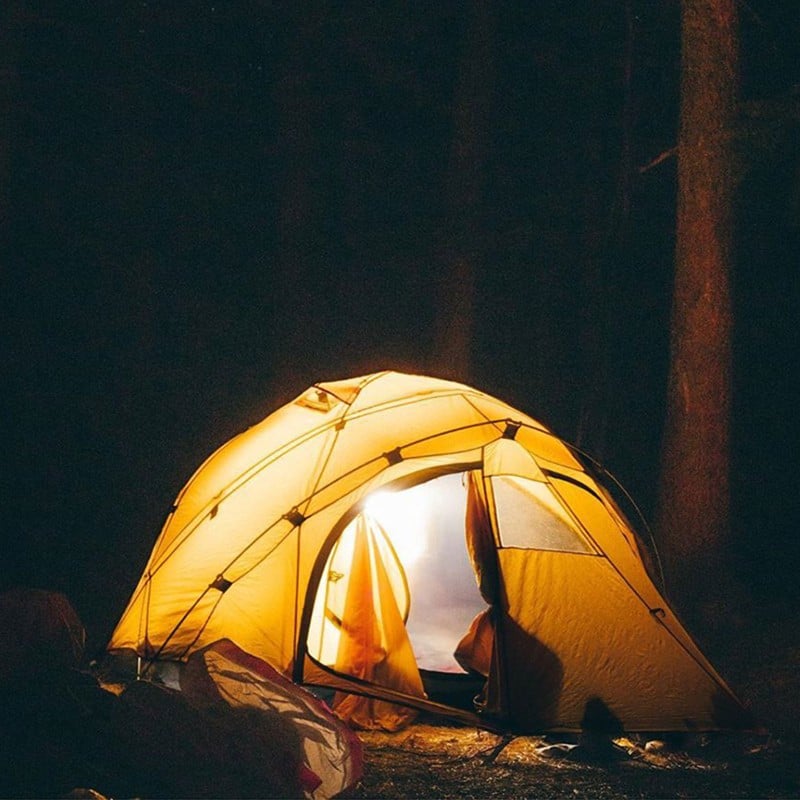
[[391, 535]]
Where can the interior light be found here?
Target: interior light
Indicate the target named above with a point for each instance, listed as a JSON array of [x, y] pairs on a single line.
[[404, 516]]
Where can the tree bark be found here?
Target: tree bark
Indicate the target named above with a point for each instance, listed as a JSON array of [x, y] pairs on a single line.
[[693, 518]]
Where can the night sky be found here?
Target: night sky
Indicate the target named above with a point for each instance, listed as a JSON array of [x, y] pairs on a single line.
[[208, 207]]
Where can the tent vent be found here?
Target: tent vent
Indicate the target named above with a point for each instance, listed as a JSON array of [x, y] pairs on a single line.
[[511, 429], [317, 399], [221, 583], [295, 517], [393, 456]]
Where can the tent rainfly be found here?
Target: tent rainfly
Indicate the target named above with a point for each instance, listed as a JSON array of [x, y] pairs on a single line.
[[413, 543]]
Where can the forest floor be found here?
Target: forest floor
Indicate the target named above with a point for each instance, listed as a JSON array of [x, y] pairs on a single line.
[[760, 658], [429, 761]]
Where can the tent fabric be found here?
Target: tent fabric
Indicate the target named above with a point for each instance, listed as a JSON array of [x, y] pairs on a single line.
[[480, 542], [479, 649], [374, 645], [350, 583], [474, 650], [243, 556]]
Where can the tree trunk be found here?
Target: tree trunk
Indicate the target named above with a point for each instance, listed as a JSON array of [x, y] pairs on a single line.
[[693, 518], [462, 241]]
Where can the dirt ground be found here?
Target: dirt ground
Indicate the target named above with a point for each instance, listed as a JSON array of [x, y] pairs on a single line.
[[433, 761]]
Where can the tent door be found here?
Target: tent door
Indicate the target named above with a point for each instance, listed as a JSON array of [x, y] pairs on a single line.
[[397, 595]]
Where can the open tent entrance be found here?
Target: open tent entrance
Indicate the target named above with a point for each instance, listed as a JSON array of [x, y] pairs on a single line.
[[398, 594]]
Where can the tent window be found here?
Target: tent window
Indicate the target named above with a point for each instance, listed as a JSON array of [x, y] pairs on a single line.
[[530, 516]]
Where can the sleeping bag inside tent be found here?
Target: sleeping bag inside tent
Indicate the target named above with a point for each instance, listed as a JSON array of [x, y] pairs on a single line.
[[413, 543]]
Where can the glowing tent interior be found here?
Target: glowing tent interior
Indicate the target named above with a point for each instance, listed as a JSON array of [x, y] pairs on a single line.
[[390, 535]]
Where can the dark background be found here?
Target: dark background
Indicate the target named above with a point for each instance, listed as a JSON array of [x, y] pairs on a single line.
[[208, 207]]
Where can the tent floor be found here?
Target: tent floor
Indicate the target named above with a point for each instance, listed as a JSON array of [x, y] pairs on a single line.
[[457, 689]]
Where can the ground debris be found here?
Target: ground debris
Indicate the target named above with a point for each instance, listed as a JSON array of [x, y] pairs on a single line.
[[432, 761]]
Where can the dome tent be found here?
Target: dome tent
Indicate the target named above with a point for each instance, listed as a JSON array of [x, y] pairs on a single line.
[[275, 544]]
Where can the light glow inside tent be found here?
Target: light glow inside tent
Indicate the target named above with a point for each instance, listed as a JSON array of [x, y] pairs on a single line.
[[405, 520], [425, 525]]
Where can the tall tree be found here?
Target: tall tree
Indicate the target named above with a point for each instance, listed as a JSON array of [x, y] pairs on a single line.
[[462, 241], [693, 518]]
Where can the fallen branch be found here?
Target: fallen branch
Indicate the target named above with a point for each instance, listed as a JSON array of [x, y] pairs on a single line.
[[658, 159]]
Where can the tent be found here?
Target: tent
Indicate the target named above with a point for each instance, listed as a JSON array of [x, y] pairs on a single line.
[[414, 543]]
